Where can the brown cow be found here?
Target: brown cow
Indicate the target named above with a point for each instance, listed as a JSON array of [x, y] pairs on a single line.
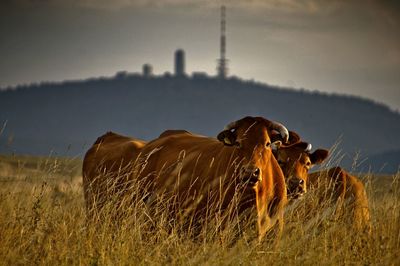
[[206, 174], [109, 161], [296, 160], [335, 185], [201, 172], [347, 192]]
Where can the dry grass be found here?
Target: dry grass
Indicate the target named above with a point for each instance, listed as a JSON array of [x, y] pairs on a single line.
[[42, 221]]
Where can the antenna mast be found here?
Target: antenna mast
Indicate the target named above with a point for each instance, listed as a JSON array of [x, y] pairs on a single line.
[[222, 68]]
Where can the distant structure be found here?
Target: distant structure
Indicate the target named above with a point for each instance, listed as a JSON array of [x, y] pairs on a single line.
[[199, 75], [121, 74], [180, 63], [167, 74], [147, 70], [222, 67]]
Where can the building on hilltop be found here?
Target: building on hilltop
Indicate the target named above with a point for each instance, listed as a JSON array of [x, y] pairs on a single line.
[[180, 63], [199, 75], [147, 71]]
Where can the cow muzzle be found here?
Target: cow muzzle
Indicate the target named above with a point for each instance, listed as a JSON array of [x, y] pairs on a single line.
[[250, 175], [296, 188]]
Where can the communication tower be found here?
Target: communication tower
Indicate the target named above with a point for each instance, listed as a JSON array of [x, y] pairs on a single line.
[[222, 67]]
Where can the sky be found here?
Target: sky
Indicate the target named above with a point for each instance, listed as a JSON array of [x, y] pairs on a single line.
[[336, 46]]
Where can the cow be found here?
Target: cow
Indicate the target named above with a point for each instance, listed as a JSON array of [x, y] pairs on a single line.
[[236, 170], [202, 172], [106, 166], [334, 186], [296, 160], [347, 193]]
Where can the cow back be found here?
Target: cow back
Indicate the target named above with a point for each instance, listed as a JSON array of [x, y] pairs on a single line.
[[346, 192], [107, 166]]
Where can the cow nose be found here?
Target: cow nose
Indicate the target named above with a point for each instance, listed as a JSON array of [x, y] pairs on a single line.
[[296, 186], [251, 175], [256, 172], [296, 182]]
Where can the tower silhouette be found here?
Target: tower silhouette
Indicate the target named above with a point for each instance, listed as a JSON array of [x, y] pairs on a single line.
[[222, 67], [180, 63], [147, 70]]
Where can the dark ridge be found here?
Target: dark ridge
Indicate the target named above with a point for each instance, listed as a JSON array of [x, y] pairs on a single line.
[[65, 117]]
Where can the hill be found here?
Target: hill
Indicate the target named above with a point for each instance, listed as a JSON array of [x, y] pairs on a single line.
[[65, 118], [385, 162]]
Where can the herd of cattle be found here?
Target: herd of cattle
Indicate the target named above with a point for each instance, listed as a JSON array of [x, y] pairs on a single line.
[[254, 168]]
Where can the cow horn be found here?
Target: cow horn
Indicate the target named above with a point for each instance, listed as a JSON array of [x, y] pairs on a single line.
[[309, 147], [281, 129]]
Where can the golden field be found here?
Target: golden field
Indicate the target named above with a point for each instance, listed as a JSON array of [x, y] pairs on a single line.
[[42, 221]]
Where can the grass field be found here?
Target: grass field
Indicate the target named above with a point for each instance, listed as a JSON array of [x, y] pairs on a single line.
[[42, 221]]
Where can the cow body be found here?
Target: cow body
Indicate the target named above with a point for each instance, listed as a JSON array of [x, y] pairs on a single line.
[[107, 165], [206, 175], [199, 176], [348, 194]]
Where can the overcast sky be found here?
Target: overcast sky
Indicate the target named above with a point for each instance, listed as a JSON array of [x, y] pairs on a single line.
[[342, 46]]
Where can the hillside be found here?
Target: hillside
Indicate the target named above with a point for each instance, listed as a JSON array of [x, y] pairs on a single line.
[[385, 162], [66, 118]]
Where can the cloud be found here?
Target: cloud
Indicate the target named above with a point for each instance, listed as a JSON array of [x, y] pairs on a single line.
[[281, 5], [387, 10], [103, 4], [290, 14]]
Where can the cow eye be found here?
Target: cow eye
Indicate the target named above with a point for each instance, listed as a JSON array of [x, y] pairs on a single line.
[[268, 144]]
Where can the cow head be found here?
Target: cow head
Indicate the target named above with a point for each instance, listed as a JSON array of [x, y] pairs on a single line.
[[296, 160], [259, 170], [251, 137]]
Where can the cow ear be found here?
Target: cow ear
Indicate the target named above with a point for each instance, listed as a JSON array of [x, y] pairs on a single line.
[[319, 156], [227, 137], [276, 145]]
